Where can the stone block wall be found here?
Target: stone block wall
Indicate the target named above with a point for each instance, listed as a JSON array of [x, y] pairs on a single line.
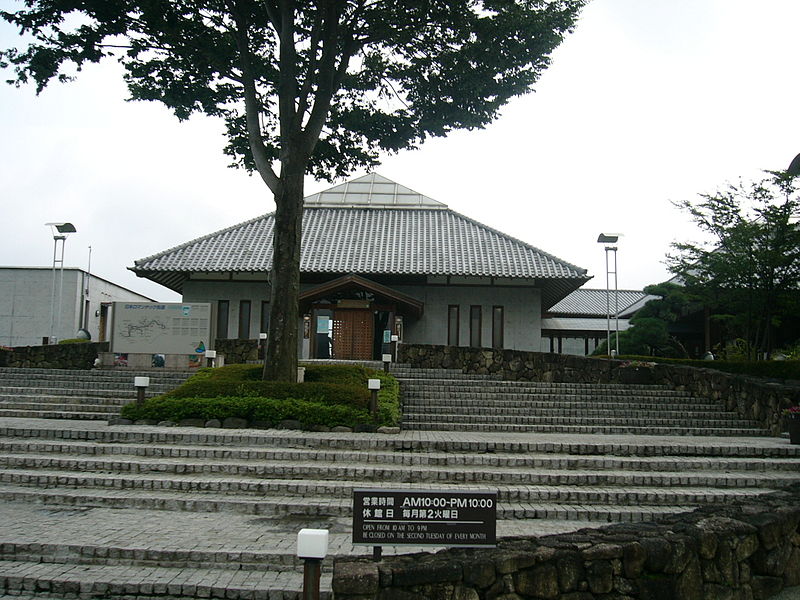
[[56, 356], [750, 397], [237, 351], [725, 552]]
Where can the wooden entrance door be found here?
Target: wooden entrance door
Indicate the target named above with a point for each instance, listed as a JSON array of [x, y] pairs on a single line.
[[352, 333]]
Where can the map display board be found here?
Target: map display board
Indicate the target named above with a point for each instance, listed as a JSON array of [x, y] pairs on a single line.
[[160, 327]]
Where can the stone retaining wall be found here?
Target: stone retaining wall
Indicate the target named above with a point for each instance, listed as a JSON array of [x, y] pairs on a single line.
[[740, 552], [237, 351], [56, 356], [750, 397]]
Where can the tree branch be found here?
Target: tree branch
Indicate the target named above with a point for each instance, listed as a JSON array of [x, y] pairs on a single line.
[[330, 76], [252, 106]]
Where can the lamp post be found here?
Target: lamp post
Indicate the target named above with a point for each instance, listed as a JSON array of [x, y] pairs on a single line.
[[607, 239], [59, 231]]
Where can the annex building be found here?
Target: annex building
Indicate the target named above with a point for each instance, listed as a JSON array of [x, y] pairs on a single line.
[[377, 259], [30, 312]]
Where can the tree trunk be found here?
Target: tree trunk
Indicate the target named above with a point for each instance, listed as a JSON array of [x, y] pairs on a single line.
[[280, 362]]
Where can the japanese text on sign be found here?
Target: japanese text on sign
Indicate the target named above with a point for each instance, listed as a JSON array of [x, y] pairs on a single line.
[[418, 517]]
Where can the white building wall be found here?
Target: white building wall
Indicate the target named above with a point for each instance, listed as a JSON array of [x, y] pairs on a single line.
[[521, 313], [26, 302], [521, 308], [233, 291]]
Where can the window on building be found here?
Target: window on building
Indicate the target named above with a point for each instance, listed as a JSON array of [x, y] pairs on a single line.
[[452, 325], [475, 318], [497, 327], [223, 307], [244, 319], [264, 316]]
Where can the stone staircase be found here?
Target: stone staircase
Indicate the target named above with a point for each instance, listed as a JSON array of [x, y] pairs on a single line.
[[90, 510], [72, 394], [449, 401]]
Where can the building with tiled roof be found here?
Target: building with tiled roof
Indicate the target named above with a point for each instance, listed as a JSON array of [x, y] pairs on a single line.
[[376, 256], [579, 322]]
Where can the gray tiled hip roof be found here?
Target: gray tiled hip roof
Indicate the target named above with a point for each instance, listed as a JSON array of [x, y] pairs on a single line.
[[378, 241]]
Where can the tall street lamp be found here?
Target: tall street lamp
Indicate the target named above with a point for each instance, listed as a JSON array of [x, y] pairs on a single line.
[[607, 239], [60, 231]]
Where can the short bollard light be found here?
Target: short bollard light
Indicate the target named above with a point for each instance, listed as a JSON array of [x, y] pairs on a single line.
[[262, 345], [373, 385], [387, 358], [211, 356], [141, 384], [312, 547]]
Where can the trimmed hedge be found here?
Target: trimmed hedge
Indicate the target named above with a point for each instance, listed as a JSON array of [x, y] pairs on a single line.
[[264, 411], [772, 369], [238, 391]]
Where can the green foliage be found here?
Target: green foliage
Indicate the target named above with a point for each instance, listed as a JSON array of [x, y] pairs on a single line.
[[772, 369], [341, 374], [75, 341], [265, 411], [748, 266], [337, 396], [649, 331], [790, 352], [332, 393], [355, 78]]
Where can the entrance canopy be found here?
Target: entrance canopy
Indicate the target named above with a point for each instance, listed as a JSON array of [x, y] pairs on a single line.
[[349, 284]]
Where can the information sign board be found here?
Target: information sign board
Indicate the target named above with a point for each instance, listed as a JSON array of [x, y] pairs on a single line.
[[164, 327], [424, 517]]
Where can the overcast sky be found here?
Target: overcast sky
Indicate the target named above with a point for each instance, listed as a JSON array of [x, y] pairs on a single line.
[[647, 102]]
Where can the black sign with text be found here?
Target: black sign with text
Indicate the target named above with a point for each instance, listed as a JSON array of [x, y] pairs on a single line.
[[424, 517]]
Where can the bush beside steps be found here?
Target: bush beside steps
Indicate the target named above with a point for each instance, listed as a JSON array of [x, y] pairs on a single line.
[[333, 398]]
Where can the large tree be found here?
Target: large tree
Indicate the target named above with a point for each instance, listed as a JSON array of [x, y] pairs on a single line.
[[305, 87], [748, 265]]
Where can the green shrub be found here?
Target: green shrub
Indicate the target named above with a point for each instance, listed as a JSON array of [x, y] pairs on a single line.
[[772, 369], [334, 395], [342, 374], [330, 393], [74, 341], [264, 410]]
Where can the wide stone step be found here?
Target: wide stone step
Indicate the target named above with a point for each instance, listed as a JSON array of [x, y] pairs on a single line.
[[501, 401], [501, 398], [95, 373], [511, 398], [449, 374], [76, 407], [98, 581], [609, 419], [147, 556], [444, 385], [307, 489], [575, 509], [73, 450], [613, 411], [53, 414], [49, 401], [316, 471], [584, 429], [417, 443], [103, 391]]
